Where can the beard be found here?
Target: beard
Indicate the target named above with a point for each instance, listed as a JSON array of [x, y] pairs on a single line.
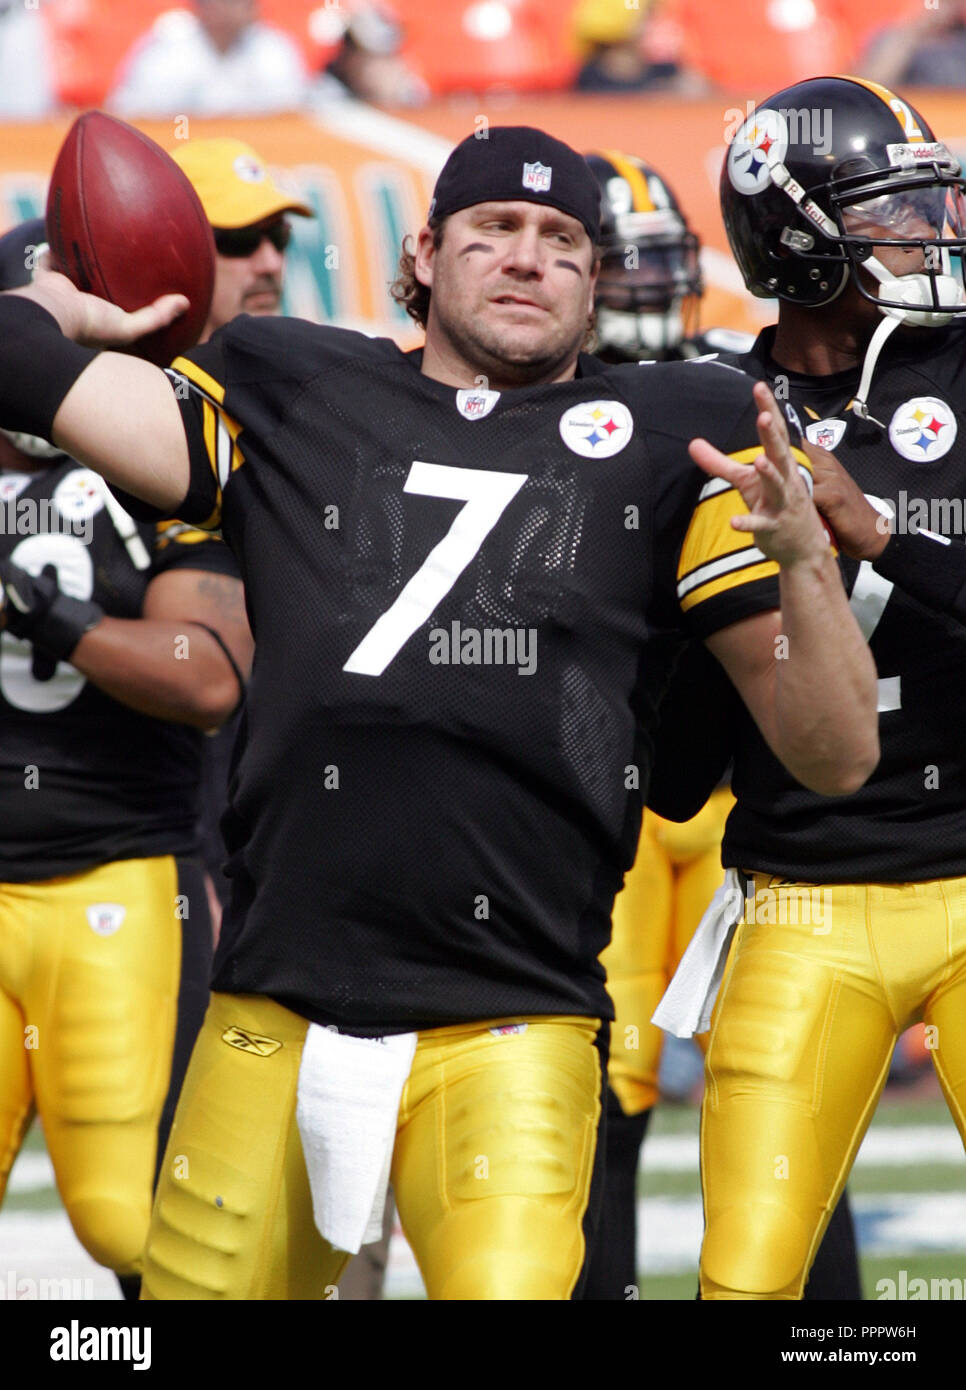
[[493, 351]]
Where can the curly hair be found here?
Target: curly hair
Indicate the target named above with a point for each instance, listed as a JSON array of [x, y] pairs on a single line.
[[406, 289]]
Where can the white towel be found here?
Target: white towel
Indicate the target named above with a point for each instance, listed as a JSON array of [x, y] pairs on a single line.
[[688, 1001], [347, 1109]]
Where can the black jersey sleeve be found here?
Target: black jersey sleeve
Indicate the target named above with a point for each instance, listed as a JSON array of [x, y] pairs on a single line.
[[236, 390], [178, 545], [695, 737], [929, 568], [199, 381]]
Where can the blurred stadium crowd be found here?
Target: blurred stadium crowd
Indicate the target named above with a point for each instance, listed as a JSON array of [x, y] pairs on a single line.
[[233, 57]]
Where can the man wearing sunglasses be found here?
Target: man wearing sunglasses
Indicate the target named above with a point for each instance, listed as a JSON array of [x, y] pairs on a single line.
[[246, 210]]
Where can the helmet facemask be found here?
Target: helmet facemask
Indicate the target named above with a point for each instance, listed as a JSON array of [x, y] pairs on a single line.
[[924, 219], [649, 289]]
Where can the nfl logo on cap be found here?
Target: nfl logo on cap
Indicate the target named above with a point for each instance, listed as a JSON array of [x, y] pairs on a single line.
[[537, 176]]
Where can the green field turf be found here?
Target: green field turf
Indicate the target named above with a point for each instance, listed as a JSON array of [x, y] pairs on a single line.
[[899, 1107]]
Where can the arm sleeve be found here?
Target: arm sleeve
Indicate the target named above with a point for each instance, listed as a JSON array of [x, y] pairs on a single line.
[[199, 383], [929, 568], [722, 576], [178, 545]]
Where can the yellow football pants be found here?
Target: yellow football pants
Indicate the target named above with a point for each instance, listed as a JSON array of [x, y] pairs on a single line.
[[675, 875], [492, 1166], [822, 983], [89, 974]]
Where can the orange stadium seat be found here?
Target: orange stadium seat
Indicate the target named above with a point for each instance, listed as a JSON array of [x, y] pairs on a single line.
[[480, 45], [471, 45], [866, 17], [89, 38], [759, 46]]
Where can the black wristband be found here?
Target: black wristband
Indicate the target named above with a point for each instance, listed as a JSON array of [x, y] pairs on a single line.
[[37, 611], [927, 569], [38, 366], [66, 621]]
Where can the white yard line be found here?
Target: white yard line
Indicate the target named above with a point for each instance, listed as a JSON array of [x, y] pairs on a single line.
[[41, 1245]]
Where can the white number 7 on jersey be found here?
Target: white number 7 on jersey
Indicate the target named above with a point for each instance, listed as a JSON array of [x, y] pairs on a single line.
[[487, 495]]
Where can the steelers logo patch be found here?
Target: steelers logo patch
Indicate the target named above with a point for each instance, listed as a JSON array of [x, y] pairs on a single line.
[[598, 429], [760, 142], [78, 495], [249, 170], [923, 429]]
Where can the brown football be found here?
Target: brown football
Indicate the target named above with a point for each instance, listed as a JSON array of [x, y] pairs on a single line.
[[124, 223]]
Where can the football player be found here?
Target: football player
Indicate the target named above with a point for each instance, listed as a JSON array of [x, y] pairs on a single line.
[[841, 203], [648, 301], [121, 642], [467, 568], [650, 284], [248, 213]]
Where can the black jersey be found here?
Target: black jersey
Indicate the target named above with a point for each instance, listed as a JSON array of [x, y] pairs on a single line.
[[463, 605], [908, 823], [84, 779]]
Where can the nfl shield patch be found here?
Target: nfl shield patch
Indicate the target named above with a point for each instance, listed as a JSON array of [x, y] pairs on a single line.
[[474, 405], [105, 918], [537, 176], [826, 433]]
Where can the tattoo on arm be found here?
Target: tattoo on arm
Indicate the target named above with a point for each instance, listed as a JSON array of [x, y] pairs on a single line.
[[226, 594]]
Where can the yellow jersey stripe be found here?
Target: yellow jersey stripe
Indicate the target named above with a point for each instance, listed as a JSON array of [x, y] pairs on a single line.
[[715, 557], [710, 536], [177, 533], [200, 378], [210, 425], [191, 537], [732, 579]]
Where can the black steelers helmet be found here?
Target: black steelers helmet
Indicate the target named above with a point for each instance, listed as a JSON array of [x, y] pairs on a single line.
[[649, 287], [822, 175], [18, 250]]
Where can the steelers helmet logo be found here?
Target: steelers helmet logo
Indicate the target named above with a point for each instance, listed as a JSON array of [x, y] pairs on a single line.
[[923, 429], [760, 143], [596, 430], [78, 495], [249, 170]]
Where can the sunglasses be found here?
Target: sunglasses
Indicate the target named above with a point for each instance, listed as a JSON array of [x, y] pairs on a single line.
[[239, 242]]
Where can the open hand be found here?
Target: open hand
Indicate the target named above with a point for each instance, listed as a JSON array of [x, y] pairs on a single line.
[[785, 524]]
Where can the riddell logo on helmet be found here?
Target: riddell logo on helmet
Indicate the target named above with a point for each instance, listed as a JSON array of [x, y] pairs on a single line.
[[811, 126]]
